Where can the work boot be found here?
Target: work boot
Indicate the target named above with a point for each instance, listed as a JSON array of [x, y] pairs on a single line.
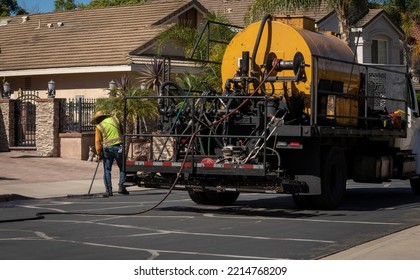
[[122, 190], [110, 193]]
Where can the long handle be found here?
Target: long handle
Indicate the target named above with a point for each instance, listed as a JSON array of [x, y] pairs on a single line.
[[94, 175]]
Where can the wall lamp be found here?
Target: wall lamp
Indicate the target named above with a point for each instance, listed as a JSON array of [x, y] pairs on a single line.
[[112, 88], [51, 89], [6, 90]]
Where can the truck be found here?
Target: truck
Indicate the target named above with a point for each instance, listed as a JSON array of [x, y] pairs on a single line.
[[297, 115]]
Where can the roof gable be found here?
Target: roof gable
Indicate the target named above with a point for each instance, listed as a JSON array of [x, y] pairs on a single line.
[[233, 10], [372, 16]]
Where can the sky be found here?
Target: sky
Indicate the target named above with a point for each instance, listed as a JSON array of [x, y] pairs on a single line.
[[42, 6]]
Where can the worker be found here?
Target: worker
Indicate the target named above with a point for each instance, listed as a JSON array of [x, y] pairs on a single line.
[[109, 147]]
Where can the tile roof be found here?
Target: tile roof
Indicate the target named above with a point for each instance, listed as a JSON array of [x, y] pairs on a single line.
[[107, 36], [371, 15], [318, 13], [234, 10], [87, 37], [324, 11]]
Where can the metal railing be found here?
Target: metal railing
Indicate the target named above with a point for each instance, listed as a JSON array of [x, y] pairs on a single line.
[[76, 115]]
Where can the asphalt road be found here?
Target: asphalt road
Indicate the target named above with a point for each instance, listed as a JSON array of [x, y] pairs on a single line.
[[255, 227]]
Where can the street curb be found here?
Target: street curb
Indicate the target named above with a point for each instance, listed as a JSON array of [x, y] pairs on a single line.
[[13, 197]]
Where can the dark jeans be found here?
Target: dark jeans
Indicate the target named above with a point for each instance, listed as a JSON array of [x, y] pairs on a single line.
[[110, 154]]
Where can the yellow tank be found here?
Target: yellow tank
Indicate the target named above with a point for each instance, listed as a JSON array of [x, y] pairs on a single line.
[[283, 38]]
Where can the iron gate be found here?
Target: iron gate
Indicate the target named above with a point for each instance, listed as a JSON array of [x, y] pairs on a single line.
[[26, 119]]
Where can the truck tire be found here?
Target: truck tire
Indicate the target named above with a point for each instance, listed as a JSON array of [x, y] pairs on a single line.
[[415, 185], [222, 198], [333, 179], [199, 197], [303, 201], [213, 198]]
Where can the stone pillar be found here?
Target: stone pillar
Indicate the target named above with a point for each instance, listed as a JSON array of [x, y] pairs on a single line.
[[7, 124], [47, 127]]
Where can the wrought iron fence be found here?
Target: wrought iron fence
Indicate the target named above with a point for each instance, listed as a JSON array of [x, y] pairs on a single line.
[[25, 119], [76, 115]]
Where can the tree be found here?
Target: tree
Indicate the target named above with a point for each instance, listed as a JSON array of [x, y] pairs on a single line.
[[10, 7], [406, 14], [135, 108], [64, 5], [186, 38], [107, 3], [348, 11]]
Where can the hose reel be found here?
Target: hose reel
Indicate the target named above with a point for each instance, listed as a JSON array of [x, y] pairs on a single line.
[[297, 65]]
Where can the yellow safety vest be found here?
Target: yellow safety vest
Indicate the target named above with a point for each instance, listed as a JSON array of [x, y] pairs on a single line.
[[110, 129]]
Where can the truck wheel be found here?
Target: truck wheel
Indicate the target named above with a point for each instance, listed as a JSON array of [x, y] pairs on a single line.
[[303, 201], [199, 197], [222, 198], [415, 185], [333, 179], [213, 198]]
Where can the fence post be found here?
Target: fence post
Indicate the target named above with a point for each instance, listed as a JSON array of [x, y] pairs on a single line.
[[48, 124], [79, 108], [7, 124]]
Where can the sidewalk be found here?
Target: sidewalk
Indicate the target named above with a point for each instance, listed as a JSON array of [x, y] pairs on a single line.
[[24, 174]]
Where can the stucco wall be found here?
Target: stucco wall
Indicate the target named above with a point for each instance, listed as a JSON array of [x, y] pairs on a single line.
[[89, 85]]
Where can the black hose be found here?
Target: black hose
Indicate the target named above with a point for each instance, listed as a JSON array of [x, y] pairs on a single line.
[[257, 42], [165, 109]]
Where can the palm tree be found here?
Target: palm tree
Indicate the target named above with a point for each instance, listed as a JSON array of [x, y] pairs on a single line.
[[186, 37], [407, 15], [348, 11], [63, 5], [135, 108]]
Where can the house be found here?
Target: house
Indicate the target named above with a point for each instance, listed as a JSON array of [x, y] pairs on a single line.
[[374, 38], [83, 50]]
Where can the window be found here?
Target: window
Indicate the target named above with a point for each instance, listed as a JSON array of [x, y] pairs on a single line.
[[379, 51]]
